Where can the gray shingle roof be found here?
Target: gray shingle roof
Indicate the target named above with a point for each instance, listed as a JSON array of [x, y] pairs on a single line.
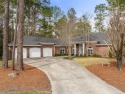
[[100, 38], [78, 39], [33, 40]]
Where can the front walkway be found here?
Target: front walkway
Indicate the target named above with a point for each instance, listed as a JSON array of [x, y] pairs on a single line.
[[68, 77]]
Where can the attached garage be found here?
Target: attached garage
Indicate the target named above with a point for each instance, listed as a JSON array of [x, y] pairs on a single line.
[[47, 52], [34, 52], [24, 53]]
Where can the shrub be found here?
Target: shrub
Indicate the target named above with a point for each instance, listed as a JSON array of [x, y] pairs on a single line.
[[61, 54], [70, 58], [95, 55], [81, 55], [85, 55], [110, 53]]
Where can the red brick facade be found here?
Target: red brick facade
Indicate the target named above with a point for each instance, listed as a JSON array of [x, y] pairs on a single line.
[[57, 49], [97, 49], [102, 50]]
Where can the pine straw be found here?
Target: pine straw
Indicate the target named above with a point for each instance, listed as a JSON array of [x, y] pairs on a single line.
[[30, 80], [110, 74]]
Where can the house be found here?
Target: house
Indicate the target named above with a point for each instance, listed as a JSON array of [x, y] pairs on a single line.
[[95, 43]]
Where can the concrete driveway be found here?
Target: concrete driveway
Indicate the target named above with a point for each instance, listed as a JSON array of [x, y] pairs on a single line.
[[68, 77]]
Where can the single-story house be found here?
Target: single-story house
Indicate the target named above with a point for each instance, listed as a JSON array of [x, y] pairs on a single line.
[[95, 43]]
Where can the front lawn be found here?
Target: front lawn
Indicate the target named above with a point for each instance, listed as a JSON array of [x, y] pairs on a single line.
[[87, 61]]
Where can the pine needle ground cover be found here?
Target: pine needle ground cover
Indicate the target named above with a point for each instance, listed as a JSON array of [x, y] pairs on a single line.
[[30, 81], [110, 74]]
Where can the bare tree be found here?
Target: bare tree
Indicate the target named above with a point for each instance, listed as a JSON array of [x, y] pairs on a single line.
[[116, 35], [84, 27], [20, 31], [67, 28], [5, 36], [66, 31]]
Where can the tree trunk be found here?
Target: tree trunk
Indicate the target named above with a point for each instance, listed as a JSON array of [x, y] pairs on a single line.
[[119, 63], [29, 25], [33, 28], [34, 25], [120, 53], [20, 35], [5, 36], [15, 37], [69, 51]]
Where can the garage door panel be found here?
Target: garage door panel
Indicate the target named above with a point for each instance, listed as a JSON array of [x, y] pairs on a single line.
[[47, 52], [24, 53], [35, 52], [15, 52]]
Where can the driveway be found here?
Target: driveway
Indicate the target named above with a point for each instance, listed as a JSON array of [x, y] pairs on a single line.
[[68, 77]]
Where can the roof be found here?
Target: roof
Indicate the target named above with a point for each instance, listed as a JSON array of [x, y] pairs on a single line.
[[100, 38], [79, 39], [34, 40]]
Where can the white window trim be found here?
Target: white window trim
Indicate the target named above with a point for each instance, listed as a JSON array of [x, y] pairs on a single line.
[[90, 49], [62, 48]]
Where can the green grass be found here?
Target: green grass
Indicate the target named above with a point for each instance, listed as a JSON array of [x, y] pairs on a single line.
[[87, 61]]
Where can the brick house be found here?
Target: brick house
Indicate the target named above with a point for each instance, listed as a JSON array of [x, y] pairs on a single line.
[[96, 43]]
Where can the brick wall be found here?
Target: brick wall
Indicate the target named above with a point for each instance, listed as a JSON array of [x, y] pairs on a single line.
[[57, 49], [99, 50], [92, 45], [102, 50]]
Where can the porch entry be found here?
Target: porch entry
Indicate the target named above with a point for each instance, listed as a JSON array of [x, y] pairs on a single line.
[[78, 49]]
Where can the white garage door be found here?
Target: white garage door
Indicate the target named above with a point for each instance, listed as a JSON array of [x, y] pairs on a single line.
[[24, 53], [34, 52], [47, 52]]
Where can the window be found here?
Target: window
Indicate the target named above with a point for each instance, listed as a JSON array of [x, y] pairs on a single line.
[[62, 50], [90, 51]]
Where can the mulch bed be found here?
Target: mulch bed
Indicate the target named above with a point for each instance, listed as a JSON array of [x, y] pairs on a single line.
[[110, 74], [30, 79]]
